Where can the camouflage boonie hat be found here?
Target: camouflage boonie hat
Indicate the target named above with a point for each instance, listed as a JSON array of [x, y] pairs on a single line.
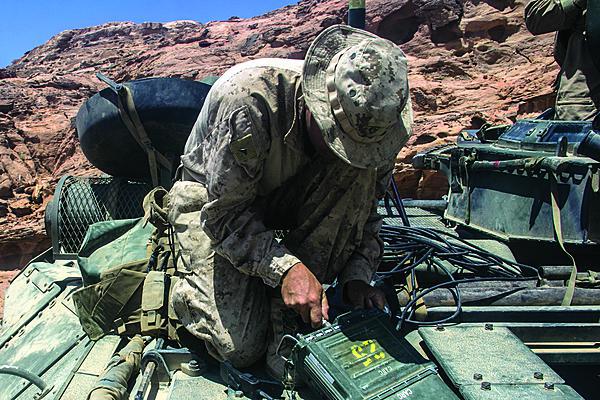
[[356, 86]]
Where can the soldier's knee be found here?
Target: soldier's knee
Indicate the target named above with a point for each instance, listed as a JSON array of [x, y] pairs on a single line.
[[243, 353], [244, 357]]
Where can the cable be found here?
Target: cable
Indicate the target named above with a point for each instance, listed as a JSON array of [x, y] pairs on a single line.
[[446, 246], [393, 194], [29, 376], [410, 305], [408, 247]]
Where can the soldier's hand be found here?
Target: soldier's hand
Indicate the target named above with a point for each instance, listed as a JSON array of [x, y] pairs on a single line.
[[362, 295], [302, 292]]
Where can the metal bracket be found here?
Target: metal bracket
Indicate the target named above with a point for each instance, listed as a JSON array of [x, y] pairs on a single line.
[[39, 279], [169, 360]]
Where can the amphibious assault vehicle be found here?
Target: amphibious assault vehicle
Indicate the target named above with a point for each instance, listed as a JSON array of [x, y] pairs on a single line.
[[493, 290]]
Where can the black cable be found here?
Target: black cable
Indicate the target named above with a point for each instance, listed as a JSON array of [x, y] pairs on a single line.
[[393, 194], [455, 292], [403, 319], [461, 252], [408, 247]]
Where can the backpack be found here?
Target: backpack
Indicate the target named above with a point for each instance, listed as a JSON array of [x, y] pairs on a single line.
[[128, 273]]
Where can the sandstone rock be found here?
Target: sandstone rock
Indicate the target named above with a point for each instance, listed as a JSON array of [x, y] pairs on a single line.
[[66, 84], [20, 207], [407, 180], [252, 45], [438, 13], [431, 184], [6, 73], [484, 23], [3, 208], [5, 186]]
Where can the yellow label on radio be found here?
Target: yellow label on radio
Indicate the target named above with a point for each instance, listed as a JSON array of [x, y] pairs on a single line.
[[368, 351]]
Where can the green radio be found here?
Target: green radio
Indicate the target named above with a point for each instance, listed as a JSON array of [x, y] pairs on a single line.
[[361, 356]]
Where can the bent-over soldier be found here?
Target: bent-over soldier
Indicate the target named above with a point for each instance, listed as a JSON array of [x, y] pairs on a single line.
[[303, 147]]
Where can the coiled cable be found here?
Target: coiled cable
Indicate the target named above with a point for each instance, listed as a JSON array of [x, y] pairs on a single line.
[[407, 247]]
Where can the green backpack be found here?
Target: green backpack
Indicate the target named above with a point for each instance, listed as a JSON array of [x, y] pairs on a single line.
[[128, 272]]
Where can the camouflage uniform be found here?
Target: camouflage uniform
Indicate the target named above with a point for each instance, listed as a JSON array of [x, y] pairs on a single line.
[[578, 96], [247, 171]]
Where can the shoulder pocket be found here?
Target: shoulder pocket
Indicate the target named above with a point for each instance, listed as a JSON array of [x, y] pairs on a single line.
[[248, 145]]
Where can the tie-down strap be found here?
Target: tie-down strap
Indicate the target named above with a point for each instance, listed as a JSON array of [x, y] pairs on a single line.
[[133, 123]]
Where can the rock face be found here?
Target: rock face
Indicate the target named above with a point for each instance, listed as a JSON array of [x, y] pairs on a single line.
[[468, 60]]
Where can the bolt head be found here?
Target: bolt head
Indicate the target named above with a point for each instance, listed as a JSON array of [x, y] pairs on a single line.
[[193, 367], [538, 375], [486, 386], [549, 386], [439, 327], [489, 327], [477, 376]]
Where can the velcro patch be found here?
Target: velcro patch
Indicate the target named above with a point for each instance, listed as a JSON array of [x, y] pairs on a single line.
[[243, 149]]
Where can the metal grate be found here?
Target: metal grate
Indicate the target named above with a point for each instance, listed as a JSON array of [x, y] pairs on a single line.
[[417, 217], [81, 202]]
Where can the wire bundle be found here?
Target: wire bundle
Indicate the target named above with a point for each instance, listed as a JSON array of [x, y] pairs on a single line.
[[408, 247]]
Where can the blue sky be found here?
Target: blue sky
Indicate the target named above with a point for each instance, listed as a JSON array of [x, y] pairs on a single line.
[[25, 24]]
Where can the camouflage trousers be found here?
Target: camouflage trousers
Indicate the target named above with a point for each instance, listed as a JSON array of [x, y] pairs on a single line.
[[237, 315]]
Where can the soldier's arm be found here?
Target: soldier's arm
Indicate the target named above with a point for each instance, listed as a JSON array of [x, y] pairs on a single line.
[[366, 258], [544, 16], [232, 158]]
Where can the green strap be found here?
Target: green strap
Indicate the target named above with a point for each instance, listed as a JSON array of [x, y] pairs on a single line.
[[559, 237], [134, 125], [592, 28]]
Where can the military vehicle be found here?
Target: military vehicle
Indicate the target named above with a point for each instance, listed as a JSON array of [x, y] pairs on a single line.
[[493, 290]]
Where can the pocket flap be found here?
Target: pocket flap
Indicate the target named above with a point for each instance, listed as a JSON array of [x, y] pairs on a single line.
[[153, 294]]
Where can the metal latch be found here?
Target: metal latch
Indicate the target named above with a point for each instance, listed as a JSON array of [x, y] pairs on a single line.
[[39, 279]]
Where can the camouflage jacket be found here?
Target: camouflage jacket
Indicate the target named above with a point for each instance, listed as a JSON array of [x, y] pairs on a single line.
[[247, 142], [578, 96]]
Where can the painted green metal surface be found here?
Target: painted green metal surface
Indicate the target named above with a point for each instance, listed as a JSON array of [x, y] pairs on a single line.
[[31, 291], [49, 342], [488, 362], [512, 392]]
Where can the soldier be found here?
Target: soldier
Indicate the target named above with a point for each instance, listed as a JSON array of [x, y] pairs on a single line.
[[303, 147], [578, 96]]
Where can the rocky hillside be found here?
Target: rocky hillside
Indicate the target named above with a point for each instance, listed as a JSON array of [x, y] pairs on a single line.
[[468, 61]]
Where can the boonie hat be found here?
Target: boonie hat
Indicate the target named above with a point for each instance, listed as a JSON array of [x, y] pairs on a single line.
[[355, 85]]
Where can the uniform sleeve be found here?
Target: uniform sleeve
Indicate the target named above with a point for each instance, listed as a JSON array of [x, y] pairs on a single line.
[[544, 16], [230, 158], [364, 261]]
